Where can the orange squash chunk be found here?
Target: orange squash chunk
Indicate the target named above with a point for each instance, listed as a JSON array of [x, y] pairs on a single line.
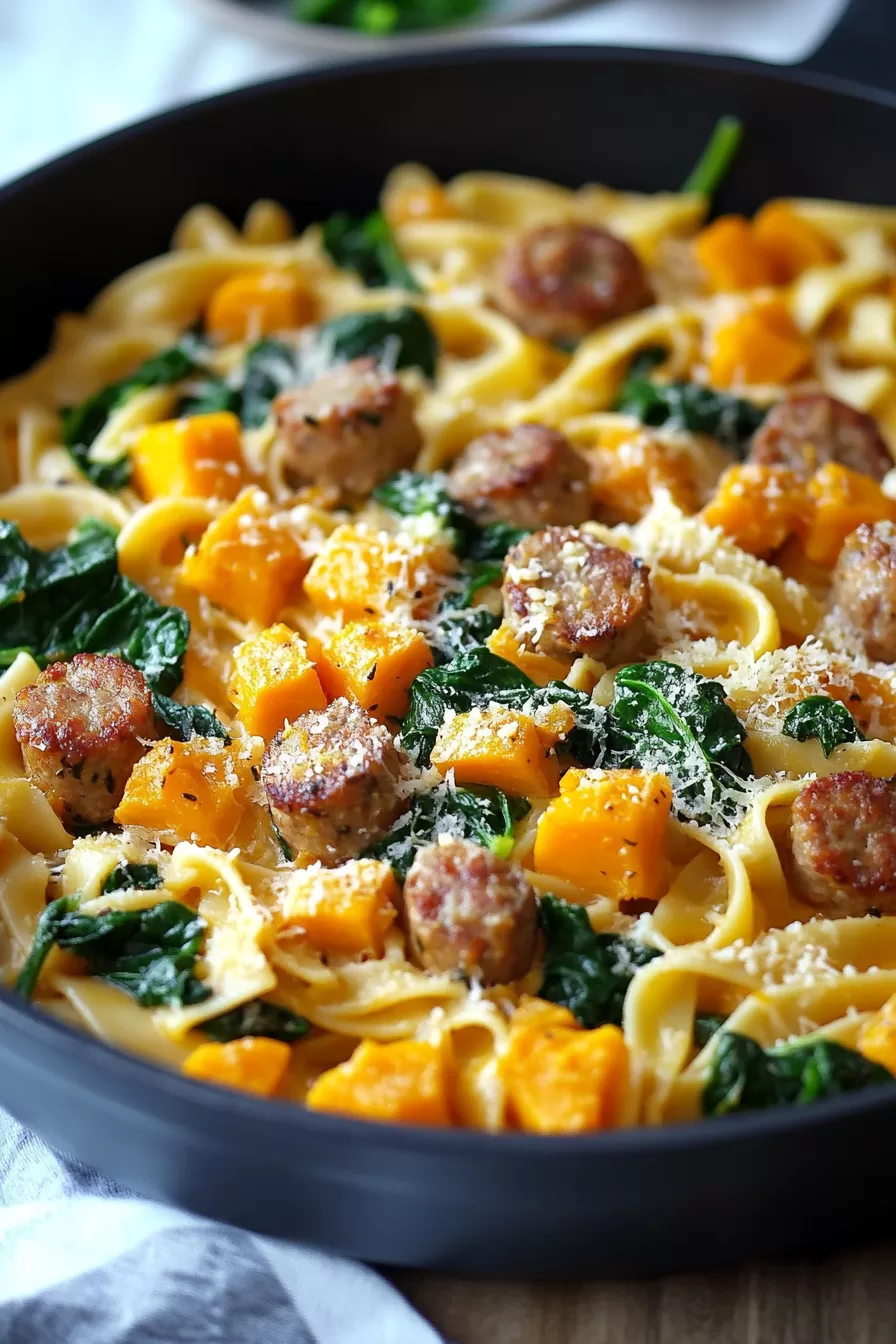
[[194, 790], [790, 243], [761, 345], [541, 667], [877, 1037], [402, 1082], [759, 507], [841, 499], [255, 303], [200, 455], [253, 1064], [273, 681], [364, 573], [560, 1079], [497, 746], [345, 909], [248, 561], [373, 663], [731, 256], [605, 833], [416, 201]]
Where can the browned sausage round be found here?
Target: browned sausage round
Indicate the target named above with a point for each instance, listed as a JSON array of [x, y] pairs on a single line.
[[348, 430], [806, 431], [82, 727], [332, 781], [863, 591], [468, 911], [844, 844], [560, 281], [529, 476], [566, 593]]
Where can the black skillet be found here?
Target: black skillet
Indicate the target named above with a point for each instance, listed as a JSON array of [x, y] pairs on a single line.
[[644, 1201]]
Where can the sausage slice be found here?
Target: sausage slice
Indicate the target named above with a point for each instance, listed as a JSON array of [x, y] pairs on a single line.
[[82, 727], [468, 911], [843, 833], [567, 593], [863, 590], [332, 782], [349, 429], [806, 431], [529, 476], [560, 281]]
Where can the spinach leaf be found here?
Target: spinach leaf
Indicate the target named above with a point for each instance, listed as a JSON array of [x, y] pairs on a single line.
[[73, 600], [366, 246], [479, 677], [744, 1076], [257, 1018], [457, 630], [492, 541], [820, 716], [133, 876], [412, 493], [82, 424], [212, 394], [398, 338], [668, 718], [690, 406], [709, 171], [45, 936], [270, 367], [705, 1027], [589, 973], [186, 721], [148, 953], [385, 16], [483, 814]]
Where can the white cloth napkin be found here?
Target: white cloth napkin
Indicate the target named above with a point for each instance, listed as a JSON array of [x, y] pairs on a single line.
[[84, 1262]]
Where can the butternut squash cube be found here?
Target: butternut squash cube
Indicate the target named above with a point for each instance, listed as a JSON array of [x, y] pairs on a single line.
[[605, 833], [790, 243], [402, 1082], [761, 345], [249, 561], [841, 499], [255, 303], [273, 681], [200, 455], [360, 572], [759, 507], [540, 667], [877, 1037], [730, 255], [253, 1064], [194, 790], [497, 746], [345, 909], [561, 1079], [373, 664]]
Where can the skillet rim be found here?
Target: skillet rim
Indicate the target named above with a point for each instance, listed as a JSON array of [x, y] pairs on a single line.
[[121, 1067]]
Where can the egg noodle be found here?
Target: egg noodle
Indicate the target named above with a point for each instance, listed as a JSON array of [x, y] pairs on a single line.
[[733, 937]]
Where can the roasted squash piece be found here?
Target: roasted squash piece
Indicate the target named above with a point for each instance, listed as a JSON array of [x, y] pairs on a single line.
[[497, 746], [560, 1079], [404, 1082], [194, 790], [255, 303], [253, 1064], [790, 243], [360, 572], [605, 833], [372, 663], [345, 909], [541, 667], [877, 1037], [758, 507], [200, 455], [841, 499], [273, 681], [730, 255], [761, 345]]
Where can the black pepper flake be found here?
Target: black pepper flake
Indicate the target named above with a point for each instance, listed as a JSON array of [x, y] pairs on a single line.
[[372, 673], [634, 843], [110, 782], [190, 797], [311, 420], [370, 418], [77, 768], [874, 912], [255, 773]]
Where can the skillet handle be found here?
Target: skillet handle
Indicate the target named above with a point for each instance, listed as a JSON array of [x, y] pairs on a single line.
[[862, 46]]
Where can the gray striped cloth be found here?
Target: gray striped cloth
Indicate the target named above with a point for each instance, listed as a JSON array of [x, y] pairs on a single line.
[[85, 1262]]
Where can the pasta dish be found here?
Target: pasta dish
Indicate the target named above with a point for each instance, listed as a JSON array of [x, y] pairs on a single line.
[[448, 656]]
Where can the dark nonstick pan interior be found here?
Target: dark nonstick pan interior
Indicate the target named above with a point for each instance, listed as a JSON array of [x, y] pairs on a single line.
[[636, 1202]]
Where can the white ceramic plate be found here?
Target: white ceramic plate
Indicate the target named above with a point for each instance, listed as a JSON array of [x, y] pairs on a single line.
[[272, 21]]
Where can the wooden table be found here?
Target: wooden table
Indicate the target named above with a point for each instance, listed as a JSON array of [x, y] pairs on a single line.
[[844, 1299]]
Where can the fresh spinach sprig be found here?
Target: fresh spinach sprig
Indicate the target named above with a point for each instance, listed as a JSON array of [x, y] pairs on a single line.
[[683, 405], [589, 973], [483, 814], [257, 1018], [366, 245], [744, 1076], [822, 717]]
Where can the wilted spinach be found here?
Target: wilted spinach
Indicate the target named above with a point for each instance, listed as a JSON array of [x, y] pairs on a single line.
[[82, 424], [186, 721], [744, 1076], [257, 1018], [690, 406], [705, 1027], [133, 876], [366, 245], [73, 600], [411, 494], [667, 718], [148, 953], [589, 973], [485, 815], [820, 716]]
